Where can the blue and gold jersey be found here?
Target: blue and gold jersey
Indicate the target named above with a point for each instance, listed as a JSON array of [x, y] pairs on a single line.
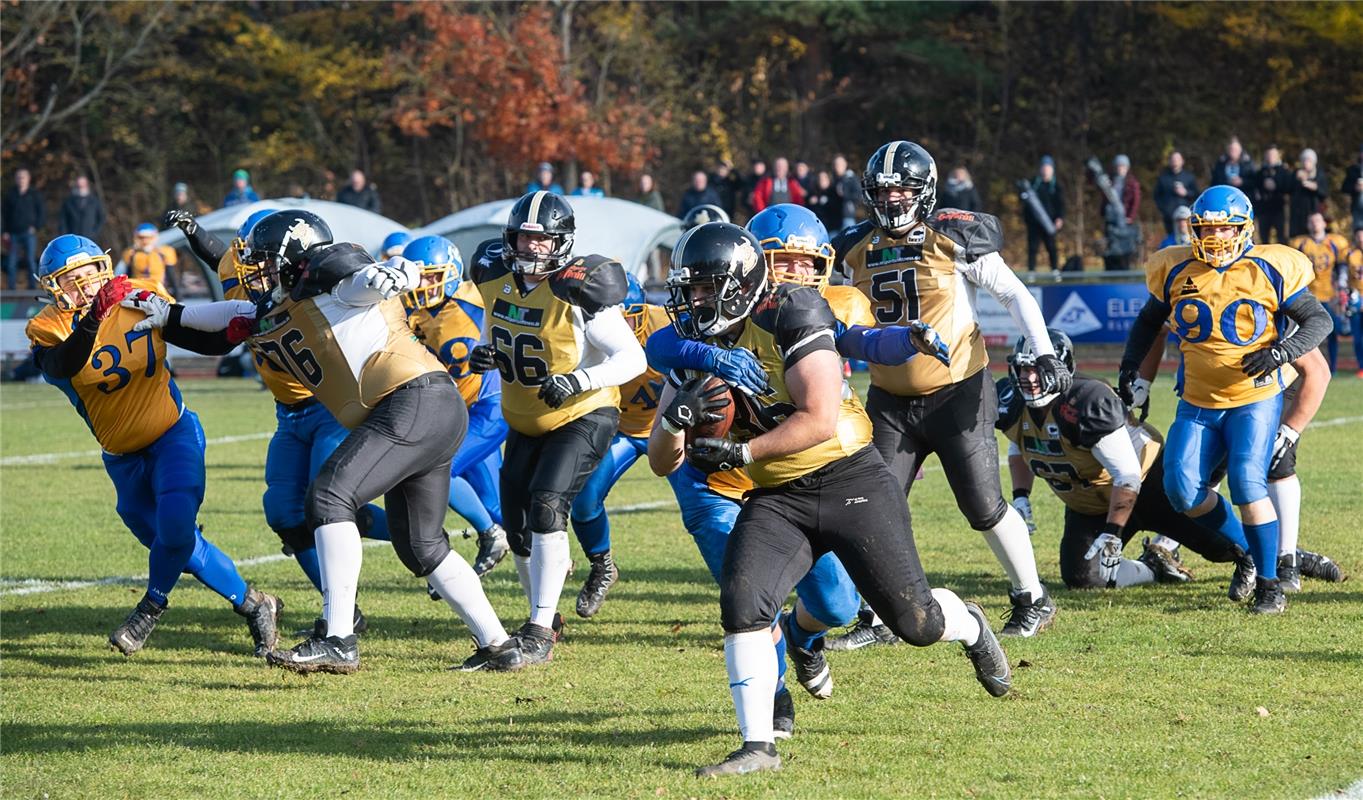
[[124, 392], [639, 397], [1221, 315], [1328, 257], [151, 265], [451, 330], [282, 384]]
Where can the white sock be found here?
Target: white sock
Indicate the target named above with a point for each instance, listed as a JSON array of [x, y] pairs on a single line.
[[1012, 546], [1161, 540], [339, 553], [523, 574], [548, 569], [1286, 497], [752, 682], [1133, 573], [961, 624], [456, 582]]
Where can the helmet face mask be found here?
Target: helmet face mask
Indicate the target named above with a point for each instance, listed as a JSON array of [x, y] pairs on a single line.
[[442, 268], [536, 218], [1038, 389], [716, 279], [1221, 226], [795, 245], [278, 247], [72, 269], [908, 168]]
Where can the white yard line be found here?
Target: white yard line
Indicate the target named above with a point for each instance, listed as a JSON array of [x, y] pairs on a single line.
[[1330, 423], [1354, 792], [50, 458]]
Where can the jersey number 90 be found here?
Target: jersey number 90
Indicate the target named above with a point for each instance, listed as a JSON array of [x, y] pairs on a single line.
[[1194, 319]]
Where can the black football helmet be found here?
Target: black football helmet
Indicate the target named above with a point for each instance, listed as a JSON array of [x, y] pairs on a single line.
[[904, 165], [716, 279], [547, 214], [703, 214], [1023, 358], [277, 248]]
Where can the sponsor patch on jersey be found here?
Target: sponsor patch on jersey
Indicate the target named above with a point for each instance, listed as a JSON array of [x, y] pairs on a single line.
[[510, 312], [1045, 447], [1188, 287], [272, 321], [897, 254]]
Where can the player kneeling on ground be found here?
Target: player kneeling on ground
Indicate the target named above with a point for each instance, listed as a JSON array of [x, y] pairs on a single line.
[[821, 487], [332, 317]]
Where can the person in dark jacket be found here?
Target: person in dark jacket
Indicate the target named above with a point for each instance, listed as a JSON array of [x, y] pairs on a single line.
[[1353, 187], [757, 172], [82, 213], [360, 193], [1234, 167], [727, 185], [699, 194], [959, 192], [242, 191], [1175, 187], [1310, 187], [848, 185], [1272, 184], [823, 200], [24, 214], [1047, 189]]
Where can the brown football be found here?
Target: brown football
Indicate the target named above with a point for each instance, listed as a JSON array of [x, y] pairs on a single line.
[[714, 430]]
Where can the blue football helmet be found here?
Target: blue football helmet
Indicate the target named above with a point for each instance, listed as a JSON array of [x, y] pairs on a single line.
[[1218, 207], [394, 243], [786, 229], [145, 229], [634, 300], [250, 275], [442, 268], [64, 255]]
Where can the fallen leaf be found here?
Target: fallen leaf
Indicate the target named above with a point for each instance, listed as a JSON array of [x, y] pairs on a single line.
[[1263, 712]]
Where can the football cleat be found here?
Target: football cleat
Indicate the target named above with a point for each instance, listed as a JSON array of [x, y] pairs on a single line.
[[863, 634], [557, 626], [1165, 564], [492, 548], [262, 617], [504, 657], [536, 643], [600, 579], [1029, 616], [1315, 565], [991, 663], [783, 715], [319, 653], [1268, 598], [751, 757], [129, 637], [1242, 580], [1289, 574], [810, 665], [360, 626]]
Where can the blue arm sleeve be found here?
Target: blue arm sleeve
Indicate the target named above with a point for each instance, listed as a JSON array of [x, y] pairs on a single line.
[[888, 346], [668, 351]]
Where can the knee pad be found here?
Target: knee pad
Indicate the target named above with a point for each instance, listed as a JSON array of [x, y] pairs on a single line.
[[421, 555], [920, 626], [283, 509], [983, 516], [519, 542], [548, 512], [1083, 575], [1182, 494], [323, 505], [296, 538], [175, 519], [742, 610], [828, 594]]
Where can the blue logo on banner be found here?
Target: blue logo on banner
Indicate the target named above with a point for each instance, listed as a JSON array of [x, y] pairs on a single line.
[[1094, 313]]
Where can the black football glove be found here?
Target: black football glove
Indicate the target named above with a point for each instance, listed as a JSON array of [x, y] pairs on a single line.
[[718, 455], [1060, 377], [180, 219], [1262, 362], [556, 389], [483, 358], [693, 404]]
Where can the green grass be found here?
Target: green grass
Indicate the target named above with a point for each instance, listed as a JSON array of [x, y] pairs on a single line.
[[1149, 692]]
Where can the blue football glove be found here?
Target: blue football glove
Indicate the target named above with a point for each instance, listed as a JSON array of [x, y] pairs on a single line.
[[926, 341], [738, 367]]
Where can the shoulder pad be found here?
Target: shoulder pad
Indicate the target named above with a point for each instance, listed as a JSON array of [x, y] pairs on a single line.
[[847, 238], [327, 265], [793, 314], [976, 233], [592, 283], [487, 262], [1010, 404], [1089, 411]]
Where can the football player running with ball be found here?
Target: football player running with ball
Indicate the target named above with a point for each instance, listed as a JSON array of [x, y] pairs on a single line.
[[558, 337], [332, 316], [821, 486], [917, 265], [110, 364], [1229, 302]]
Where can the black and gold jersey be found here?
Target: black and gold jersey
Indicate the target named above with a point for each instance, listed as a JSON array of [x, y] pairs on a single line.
[[277, 377], [1057, 441], [924, 275]]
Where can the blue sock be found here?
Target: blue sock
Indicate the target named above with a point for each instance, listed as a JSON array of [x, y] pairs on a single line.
[[801, 637], [1263, 546], [1222, 521], [375, 525], [215, 569], [311, 566], [780, 648], [467, 504], [593, 534]]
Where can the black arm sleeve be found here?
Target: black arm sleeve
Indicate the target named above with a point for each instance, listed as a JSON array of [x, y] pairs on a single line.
[[1314, 321], [206, 343], [205, 246], [1144, 331], [66, 359]]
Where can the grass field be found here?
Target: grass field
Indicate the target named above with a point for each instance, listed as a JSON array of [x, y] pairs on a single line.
[[1152, 692]]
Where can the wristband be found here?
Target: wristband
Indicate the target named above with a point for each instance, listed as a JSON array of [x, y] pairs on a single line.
[[1021, 493]]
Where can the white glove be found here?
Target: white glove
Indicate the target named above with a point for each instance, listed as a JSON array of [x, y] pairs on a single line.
[[156, 307], [392, 277], [1108, 549], [1282, 443], [1140, 392], [1024, 507]]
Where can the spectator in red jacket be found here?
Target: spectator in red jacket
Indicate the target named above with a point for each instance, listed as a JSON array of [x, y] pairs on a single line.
[[779, 187]]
